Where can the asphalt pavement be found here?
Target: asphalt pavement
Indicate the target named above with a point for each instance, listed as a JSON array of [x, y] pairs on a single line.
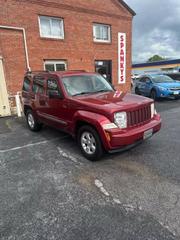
[[49, 191]]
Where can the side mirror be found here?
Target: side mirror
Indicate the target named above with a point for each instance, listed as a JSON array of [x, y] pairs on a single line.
[[55, 94]]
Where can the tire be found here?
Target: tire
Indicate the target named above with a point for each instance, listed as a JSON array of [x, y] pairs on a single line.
[[153, 94], [89, 143], [32, 123], [137, 91]]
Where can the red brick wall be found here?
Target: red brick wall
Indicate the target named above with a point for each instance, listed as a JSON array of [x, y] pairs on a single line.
[[77, 48]]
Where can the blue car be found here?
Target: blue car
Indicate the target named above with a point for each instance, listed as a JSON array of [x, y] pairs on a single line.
[[157, 86]]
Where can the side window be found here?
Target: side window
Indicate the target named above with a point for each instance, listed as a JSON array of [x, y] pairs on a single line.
[[26, 84], [38, 84], [147, 80], [101, 32], [143, 79], [52, 86]]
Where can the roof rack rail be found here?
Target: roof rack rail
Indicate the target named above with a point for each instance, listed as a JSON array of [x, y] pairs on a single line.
[[76, 70], [47, 71], [37, 71]]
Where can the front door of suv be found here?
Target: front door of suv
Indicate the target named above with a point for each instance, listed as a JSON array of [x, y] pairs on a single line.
[[142, 85], [148, 86], [56, 109]]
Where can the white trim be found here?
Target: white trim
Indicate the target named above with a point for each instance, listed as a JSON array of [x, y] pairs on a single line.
[[54, 62], [24, 38], [109, 33], [4, 102], [61, 20]]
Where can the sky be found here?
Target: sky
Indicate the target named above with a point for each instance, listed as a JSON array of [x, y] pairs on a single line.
[[156, 29]]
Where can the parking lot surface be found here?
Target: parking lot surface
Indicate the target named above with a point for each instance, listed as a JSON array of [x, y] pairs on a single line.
[[49, 191]]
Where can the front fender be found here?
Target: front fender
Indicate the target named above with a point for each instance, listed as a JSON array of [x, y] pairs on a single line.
[[94, 119]]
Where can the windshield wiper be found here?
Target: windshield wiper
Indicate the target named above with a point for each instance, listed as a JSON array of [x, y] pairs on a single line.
[[103, 90], [82, 93]]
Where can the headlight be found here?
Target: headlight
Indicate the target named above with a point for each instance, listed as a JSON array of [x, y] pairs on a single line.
[[153, 110], [162, 88], [120, 119]]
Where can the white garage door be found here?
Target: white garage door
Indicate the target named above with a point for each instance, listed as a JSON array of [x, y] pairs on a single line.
[[4, 102]]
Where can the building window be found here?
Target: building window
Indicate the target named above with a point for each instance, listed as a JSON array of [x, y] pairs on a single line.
[[55, 65], [51, 27], [102, 33]]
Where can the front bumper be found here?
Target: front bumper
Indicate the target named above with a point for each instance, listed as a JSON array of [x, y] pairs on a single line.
[[166, 94], [124, 139]]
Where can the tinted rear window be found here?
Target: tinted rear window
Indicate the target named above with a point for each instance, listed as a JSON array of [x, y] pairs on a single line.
[[26, 84]]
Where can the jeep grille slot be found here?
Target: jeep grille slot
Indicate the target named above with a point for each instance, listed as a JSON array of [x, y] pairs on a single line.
[[139, 116]]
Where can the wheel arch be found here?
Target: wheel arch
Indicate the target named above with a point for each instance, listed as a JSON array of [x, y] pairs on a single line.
[[26, 108], [94, 120], [80, 123]]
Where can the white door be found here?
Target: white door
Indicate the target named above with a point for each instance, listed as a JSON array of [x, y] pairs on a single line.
[[4, 102]]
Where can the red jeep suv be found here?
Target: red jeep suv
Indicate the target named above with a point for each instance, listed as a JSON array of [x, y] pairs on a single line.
[[86, 106]]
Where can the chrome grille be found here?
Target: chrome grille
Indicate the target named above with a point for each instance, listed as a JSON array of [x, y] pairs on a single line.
[[139, 116], [175, 88]]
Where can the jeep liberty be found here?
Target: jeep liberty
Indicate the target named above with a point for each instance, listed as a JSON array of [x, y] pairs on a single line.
[[86, 106]]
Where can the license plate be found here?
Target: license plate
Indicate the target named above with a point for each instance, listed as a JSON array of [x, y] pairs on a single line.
[[148, 134], [176, 93]]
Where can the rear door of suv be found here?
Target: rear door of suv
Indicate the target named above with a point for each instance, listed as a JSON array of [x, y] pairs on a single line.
[[56, 104], [26, 89], [38, 94]]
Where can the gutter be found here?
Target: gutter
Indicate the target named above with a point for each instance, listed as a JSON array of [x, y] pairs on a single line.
[[24, 39], [127, 7]]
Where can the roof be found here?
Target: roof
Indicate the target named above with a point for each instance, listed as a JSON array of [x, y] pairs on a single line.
[[61, 73], [127, 7], [72, 73], [158, 63]]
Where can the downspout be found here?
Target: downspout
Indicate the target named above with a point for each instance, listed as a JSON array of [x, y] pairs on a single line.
[[24, 40]]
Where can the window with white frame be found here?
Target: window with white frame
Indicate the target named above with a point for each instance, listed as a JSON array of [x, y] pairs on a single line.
[[57, 65], [101, 32], [51, 27]]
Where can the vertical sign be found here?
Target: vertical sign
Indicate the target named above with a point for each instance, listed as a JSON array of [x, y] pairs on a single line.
[[121, 58]]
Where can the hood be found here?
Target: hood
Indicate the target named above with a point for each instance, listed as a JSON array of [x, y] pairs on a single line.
[[169, 85], [113, 101]]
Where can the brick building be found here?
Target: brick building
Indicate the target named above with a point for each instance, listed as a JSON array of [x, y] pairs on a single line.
[[58, 35]]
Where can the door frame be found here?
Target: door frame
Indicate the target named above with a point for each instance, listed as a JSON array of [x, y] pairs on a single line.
[[4, 101], [110, 66]]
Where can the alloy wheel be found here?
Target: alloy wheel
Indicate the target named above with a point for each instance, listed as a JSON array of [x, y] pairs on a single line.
[[88, 143]]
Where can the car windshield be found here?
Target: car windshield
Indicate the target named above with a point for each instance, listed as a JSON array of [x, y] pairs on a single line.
[[162, 79], [85, 84]]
